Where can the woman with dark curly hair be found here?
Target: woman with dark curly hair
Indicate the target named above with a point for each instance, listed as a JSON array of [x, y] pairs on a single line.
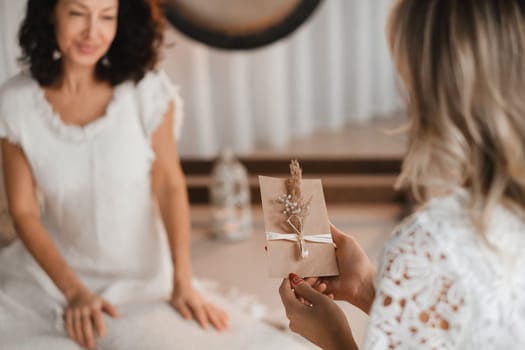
[[96, 190]]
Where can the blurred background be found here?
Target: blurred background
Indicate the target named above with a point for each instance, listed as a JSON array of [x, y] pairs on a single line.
[[334, 70], [308, 80]]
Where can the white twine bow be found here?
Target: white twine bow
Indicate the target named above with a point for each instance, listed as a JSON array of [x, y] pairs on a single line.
[[294, 237]]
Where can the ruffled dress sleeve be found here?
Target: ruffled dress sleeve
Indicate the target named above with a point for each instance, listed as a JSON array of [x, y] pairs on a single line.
[[420, 301], [12, 92], [10, 128], [155, 92]]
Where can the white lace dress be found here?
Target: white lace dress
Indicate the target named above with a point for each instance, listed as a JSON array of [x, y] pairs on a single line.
[[441, 286], [94, 184]]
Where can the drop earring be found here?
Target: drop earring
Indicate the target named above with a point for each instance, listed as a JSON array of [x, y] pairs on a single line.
[[56, 55], [105, 62]]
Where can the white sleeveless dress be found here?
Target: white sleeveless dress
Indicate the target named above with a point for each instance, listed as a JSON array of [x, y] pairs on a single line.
[[94, 185]]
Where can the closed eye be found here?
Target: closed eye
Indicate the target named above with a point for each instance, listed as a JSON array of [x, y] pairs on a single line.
[[76, 13]]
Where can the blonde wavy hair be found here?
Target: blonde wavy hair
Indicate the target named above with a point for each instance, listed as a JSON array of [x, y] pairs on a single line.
[[462, 67]]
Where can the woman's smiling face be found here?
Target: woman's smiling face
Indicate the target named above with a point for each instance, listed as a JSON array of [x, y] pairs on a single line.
[[85, 29]]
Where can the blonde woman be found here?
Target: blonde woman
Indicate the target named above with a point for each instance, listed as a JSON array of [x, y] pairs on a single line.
[[453, 274]]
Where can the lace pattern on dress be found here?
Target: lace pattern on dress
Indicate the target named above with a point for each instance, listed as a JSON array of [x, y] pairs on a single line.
[[419, 300]]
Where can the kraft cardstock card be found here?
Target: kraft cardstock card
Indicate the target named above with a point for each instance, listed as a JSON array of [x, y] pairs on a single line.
[[297, 243]]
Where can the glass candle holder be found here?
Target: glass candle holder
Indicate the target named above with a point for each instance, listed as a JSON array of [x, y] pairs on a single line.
[[231, 217]]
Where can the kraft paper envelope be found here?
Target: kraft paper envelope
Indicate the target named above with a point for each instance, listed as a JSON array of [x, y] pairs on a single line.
[[284, 256]]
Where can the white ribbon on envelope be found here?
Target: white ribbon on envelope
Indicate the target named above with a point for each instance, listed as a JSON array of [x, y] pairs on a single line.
[[293, 237]]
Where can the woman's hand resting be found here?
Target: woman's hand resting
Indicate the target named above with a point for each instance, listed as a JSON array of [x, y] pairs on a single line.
[[83, 317], [190, 304]]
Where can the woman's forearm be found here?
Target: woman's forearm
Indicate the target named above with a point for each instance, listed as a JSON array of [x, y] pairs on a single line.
[[174, 208], [41, 246]]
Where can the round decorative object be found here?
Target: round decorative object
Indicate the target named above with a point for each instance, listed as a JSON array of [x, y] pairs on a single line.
[[230, 199], [238, 24]]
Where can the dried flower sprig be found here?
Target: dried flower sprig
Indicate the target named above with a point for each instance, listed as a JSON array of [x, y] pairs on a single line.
[[295, 207]]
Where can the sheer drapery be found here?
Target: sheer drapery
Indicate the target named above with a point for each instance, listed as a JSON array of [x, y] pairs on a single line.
[[11, 13]]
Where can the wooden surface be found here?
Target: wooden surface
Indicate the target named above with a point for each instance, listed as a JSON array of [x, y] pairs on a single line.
[[357, 164]]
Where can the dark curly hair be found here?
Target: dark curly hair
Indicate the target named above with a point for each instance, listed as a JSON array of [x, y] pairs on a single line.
[[134, 51]]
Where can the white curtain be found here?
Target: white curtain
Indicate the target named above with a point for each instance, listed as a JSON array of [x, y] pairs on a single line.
[[11, 13], [332, 71]]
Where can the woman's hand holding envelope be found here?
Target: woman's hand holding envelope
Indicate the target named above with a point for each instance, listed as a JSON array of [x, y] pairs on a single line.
[[355, 283]]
